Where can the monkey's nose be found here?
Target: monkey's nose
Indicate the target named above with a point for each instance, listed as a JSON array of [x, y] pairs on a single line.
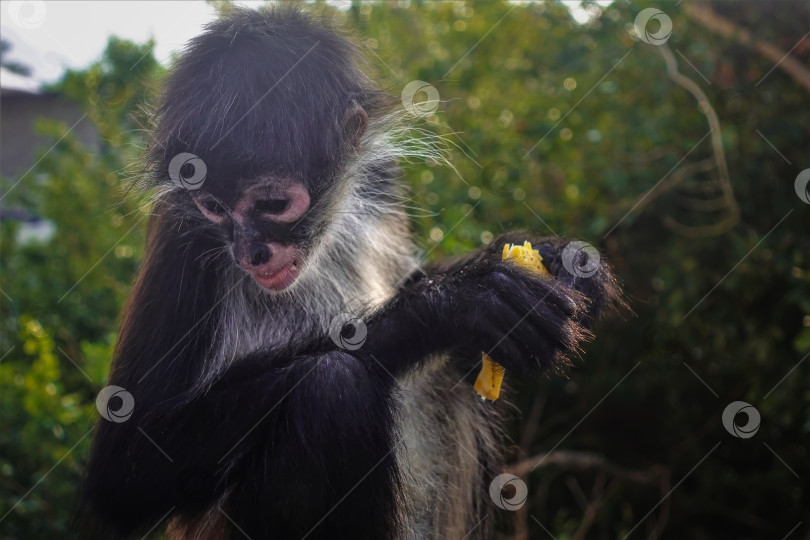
[[259, 254]]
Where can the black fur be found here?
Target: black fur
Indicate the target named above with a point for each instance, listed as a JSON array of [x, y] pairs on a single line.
[[298, 437], [244, 117]]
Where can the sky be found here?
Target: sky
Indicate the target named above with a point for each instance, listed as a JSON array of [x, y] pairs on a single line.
[[51, 36], [54, 35]]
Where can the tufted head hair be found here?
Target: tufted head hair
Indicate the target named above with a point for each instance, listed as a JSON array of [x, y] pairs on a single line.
[[263, 93]]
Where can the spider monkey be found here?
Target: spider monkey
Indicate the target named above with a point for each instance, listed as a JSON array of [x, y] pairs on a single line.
[[252, 416]]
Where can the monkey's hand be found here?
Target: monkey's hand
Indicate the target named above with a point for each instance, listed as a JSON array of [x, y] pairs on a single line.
[[525, 322], [575, 265], [522, 321]]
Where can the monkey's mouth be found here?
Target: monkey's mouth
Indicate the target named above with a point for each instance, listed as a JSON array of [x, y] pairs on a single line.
[[279, 279], [282, 268]]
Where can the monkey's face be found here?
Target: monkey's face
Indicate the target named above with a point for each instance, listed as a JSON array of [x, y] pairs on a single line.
[[259, 221], [275, 147]]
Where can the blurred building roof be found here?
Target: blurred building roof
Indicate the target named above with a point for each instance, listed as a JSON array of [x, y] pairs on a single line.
[[22, 103]]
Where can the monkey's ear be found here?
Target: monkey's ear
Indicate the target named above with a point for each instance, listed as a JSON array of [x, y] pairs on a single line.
[[355, 122]]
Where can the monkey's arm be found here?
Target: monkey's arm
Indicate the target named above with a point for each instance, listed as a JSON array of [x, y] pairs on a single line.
[[481, 303], [297, 440]]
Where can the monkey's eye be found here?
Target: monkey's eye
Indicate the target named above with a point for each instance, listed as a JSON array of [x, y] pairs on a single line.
[[213, 206], [210, 207], [272, 206]]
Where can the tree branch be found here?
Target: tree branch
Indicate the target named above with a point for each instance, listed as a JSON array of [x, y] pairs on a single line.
[[710, 20], [587, 460]]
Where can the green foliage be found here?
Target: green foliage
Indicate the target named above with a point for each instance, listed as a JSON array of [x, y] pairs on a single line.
[[63, 296], [552, 126], [602, 124]]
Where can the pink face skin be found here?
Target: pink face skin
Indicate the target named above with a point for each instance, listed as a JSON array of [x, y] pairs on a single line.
[[278, 273], [273, 265]]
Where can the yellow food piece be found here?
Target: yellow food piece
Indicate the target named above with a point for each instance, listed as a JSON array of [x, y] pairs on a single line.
[[526, 257], [489, 381]]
